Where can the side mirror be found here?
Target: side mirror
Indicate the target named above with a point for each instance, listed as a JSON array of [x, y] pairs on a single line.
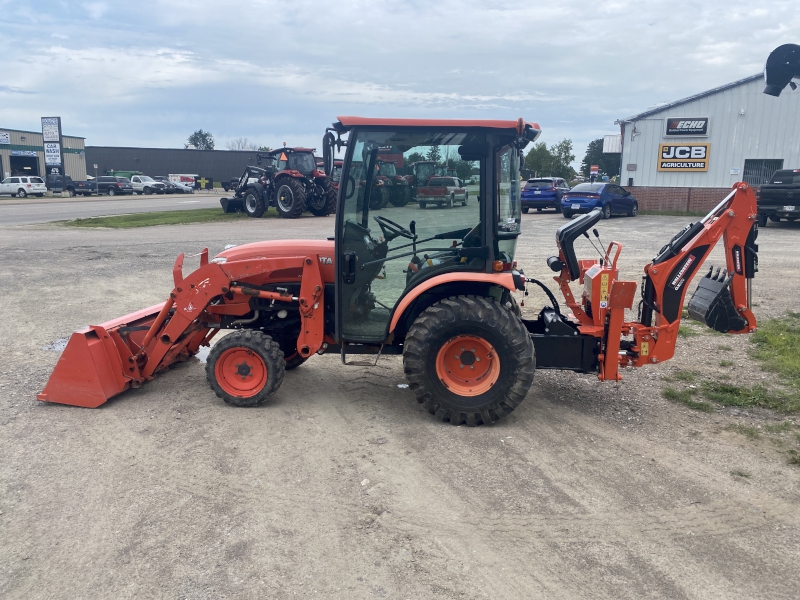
[[328, 142]]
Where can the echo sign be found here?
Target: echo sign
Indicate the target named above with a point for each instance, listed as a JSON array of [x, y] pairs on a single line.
[[683, 157]]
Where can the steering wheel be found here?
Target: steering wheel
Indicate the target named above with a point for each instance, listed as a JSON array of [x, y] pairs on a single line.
[[392, 230]]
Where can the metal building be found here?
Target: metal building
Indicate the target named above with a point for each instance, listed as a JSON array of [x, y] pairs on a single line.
[[22, 153], [213, 165], [685, 155]]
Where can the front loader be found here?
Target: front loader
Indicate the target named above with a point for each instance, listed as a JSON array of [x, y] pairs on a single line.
[[435, 288]]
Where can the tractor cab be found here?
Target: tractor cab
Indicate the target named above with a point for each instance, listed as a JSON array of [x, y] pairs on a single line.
[[301, 160], [385, 259], [420, 173]]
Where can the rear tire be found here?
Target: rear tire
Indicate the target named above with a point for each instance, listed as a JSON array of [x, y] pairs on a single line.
[[466, 197], [254, 204], [774, 219], [422, 205], [22, 193], [290, 198], [71, 193], [525, 210], [112, 191], [325, 203], [436, 363], [401, 196], [245, 367], [762, 220], [567, 214], [449, 203], [538, 210]]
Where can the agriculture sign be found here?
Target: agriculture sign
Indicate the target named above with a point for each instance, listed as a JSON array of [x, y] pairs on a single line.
[[683, 157]]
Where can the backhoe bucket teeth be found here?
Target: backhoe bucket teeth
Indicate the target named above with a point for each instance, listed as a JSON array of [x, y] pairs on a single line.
[[98, 362], [712, 303]]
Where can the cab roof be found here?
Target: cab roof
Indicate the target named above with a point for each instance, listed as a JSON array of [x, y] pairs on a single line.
[[518, 126]]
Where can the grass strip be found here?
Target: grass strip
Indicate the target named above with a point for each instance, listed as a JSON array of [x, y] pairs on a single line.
[[170, 217], [729, 394], [686, 397], [777, 345]]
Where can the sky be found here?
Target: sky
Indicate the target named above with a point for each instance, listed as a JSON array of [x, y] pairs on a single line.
[[150, 72]]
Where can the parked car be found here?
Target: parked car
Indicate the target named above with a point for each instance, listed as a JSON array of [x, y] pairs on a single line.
[[609, 197], [23, 186], [780, 198], [142, 184], [67, 184], [444, 191], [114, 185], [543, 192]]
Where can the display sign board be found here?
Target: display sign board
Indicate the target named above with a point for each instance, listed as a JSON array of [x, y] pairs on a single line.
[[23, 153], [682, 126], [4, 137], [594, 169], [683, 157], [53, 148]]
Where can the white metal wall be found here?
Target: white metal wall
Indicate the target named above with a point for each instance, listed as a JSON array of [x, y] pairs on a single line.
[[769, 128]]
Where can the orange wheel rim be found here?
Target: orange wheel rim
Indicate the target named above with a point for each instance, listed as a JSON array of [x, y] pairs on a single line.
[[241, 372], [468, 365]]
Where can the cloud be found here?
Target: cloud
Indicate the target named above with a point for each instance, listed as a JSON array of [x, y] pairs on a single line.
[[96, 10]]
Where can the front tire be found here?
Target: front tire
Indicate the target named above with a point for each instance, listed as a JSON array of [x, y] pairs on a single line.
[[22, 193], [71, 193], [762, 220], [325, 203], [401, 196], [422, 205], [634, 210], [254, 204], [567, 214], [290, 199], [469, 360], [607, 211], [245, 367], [525, 210]]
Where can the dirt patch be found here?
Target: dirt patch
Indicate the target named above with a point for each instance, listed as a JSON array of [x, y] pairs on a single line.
[[343, 487]]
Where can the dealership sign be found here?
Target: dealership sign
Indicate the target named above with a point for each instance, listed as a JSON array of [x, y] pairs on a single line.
[[681, 126], [4, 137], [683, 157]]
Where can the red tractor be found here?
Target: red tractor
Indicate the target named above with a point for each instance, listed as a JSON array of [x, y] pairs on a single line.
[[290, 181], [420, 172], [438, 291], [393, 188]]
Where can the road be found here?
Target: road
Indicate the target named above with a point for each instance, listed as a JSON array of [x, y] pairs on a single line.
[[341, 486], [43, 210]]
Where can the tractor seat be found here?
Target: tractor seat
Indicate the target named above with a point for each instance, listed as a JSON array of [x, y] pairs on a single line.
[[567, 234]]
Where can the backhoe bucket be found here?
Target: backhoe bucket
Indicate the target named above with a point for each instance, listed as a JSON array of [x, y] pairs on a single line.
[[99, 361], [712, 303]]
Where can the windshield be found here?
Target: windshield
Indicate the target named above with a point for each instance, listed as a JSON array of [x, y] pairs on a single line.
[[303, 162], [379, 220], [588, 187], [337, 173], [388, 169], [424, 172], [145, 178]]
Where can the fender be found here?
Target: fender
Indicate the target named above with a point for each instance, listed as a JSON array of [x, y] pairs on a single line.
[[505, 280]]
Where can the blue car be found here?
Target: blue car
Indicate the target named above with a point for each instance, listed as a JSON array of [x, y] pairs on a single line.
[[543, 192], [610, 198]]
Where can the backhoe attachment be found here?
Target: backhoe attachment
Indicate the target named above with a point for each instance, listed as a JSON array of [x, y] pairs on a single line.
[[713, 305]]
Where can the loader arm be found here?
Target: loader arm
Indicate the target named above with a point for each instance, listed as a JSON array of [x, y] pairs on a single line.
[[104, 360], [722, 299]]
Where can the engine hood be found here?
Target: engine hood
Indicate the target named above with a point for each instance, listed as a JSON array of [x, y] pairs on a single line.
[[323, 249]]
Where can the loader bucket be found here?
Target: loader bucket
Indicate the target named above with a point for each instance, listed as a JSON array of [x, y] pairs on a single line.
[[712, 303], [98, 362]]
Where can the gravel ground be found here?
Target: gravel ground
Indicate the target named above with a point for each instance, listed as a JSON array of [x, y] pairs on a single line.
[[343, 487]]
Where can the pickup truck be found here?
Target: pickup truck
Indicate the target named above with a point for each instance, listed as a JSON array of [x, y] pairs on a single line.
[[780, 198], [443, 191], [142, 184], [67, 184]]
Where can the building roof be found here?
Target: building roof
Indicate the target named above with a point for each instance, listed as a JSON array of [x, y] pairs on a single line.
[[461, 123], [663, 107]]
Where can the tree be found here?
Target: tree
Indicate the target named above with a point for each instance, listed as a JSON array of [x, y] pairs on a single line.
[[555, 161], [240, 143], [264, 148], [434, 154], [201, 140], [413, 157], [608, 163]]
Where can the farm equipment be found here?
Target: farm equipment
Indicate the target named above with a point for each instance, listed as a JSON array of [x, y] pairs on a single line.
[[421, 171], [393, 188], [438, 291], [290, 181]]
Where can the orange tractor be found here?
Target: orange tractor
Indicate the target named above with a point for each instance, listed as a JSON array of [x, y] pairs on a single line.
[[435, 288]]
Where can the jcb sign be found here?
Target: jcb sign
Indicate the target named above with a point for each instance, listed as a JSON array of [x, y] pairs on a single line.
[[684, 157]]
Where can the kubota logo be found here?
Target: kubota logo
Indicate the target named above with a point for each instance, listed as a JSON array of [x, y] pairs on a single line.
[[325, 260]]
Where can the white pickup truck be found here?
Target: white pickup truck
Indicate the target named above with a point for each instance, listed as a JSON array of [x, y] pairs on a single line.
[[142, 184]]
